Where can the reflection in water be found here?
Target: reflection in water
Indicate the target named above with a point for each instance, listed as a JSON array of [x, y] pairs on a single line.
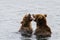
[[35, 38], [25, 38], [38, 38]]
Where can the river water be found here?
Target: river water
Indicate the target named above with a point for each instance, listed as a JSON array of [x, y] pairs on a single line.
[[12, 12]]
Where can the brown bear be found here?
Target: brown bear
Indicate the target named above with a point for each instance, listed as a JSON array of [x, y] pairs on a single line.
[[26, 29], [42, 29]]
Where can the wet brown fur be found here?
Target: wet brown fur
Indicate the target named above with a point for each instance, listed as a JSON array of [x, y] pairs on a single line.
[[42, 29], [26, 24]]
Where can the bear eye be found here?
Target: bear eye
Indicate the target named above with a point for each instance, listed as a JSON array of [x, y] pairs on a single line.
[[26, 17]]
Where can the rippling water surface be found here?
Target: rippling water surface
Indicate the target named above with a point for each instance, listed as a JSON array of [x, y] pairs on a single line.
[[12, 12]]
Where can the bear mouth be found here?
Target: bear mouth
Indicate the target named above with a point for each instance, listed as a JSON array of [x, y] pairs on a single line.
[[31, 19]]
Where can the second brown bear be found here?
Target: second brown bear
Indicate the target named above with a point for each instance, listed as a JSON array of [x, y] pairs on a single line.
[[42, 29]]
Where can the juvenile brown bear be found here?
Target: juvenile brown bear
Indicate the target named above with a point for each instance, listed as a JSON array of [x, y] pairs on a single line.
[[26, 29], [42, 29]]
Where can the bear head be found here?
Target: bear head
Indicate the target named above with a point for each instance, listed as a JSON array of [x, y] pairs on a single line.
[[26, 19], [40, 19]]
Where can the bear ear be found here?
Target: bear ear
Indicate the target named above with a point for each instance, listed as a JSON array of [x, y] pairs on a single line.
[[45, 15], [29, 15]]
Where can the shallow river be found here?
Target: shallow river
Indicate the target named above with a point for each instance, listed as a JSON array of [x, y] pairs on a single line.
[[12, 12]]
